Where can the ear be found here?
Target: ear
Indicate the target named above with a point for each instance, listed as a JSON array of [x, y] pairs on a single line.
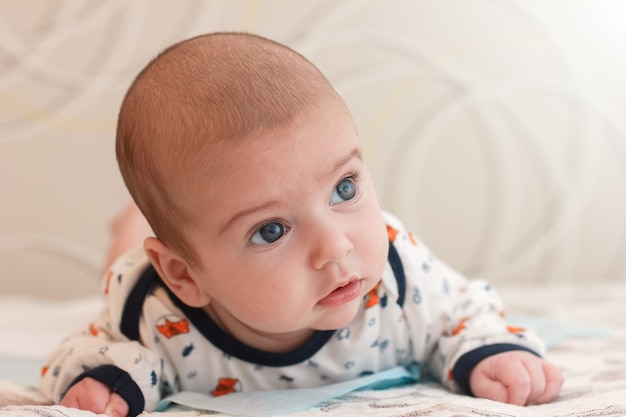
[[176, 273]]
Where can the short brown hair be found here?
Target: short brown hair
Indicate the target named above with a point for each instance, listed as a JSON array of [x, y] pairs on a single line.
[[212, 87]]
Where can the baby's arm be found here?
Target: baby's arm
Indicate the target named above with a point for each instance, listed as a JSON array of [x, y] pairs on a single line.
[[465, 340], [104, 352], [91, 395], [86, 368], [516, 377], [490, 359]]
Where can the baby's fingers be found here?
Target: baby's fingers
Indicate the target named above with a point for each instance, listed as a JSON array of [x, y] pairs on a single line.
[[88, 394], [516, 377], [91, 395], [518, 383], [501, 379], [485, 387], [553, 383], [116, 407]]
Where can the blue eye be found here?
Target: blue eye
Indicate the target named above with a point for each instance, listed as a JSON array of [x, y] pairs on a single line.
[[268, 233], [344, 191]]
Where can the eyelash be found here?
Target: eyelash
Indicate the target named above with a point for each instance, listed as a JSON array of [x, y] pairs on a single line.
[[352, 175]]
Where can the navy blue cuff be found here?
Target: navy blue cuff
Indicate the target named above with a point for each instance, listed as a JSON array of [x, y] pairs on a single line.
[[466, 363], [120, 382]]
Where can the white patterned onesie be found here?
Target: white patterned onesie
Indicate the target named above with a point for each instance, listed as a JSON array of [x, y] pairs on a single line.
[[147, 344]]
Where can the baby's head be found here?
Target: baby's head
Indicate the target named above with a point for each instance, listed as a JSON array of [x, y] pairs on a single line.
[[246, 163], [199, 93]]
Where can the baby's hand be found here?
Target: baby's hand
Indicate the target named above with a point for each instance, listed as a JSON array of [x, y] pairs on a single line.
[[516, 377], [91, 395]]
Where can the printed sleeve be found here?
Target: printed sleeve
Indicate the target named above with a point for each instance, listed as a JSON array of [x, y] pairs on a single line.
[[454, 322], [104, 353]]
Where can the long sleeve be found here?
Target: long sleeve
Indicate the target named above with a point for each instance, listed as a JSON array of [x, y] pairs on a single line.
[[104, 353], [454, 322]]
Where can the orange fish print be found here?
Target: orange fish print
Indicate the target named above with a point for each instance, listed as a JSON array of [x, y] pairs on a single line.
[[226, 386], [170, 328], [515, 329], [93, 329], [459, 328]]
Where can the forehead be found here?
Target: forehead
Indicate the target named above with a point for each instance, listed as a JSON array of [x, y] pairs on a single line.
[[309, 132], [237, 171], [314, 143]]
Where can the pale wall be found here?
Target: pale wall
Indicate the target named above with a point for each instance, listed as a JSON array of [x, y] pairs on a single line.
[[495, 129]]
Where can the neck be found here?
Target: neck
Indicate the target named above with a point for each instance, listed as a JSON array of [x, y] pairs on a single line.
[[268, 342]]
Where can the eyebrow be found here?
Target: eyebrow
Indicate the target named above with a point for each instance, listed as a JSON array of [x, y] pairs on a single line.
[[247, 212], [355, 153]]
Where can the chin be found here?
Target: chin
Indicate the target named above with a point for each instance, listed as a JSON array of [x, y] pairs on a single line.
[[338, 317]]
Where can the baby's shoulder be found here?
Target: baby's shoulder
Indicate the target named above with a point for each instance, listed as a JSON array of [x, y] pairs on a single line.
[[122, 277], [400, 237]]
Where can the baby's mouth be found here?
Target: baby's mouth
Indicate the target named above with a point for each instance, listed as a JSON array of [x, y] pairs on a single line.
[[342, 294]]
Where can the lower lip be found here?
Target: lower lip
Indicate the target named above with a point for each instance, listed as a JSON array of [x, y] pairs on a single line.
[[343, 294]]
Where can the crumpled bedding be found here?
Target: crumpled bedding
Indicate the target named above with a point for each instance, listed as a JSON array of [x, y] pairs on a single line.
[[584, 325]]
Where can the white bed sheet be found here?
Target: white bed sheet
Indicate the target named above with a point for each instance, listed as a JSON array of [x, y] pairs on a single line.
[[585, 326]]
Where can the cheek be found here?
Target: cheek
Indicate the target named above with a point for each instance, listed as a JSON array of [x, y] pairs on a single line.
[[374, 237], [248, 281]]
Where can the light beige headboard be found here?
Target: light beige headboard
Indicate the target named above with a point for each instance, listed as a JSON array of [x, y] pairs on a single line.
[[495, 129]]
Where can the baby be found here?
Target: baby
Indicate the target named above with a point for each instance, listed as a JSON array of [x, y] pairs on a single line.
[[273, 266]]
